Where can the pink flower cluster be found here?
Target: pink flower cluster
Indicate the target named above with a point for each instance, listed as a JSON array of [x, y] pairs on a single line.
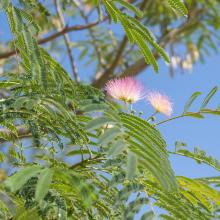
[[125, 89], [129, 90], [161, 103]]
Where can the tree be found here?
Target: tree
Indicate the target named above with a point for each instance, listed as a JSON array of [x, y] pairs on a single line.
[[92, 157]]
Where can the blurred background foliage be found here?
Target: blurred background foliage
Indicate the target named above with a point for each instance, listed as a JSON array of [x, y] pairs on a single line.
[[70, 153]]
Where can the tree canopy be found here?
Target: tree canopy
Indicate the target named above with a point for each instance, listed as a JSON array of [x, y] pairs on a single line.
[[71, 150]]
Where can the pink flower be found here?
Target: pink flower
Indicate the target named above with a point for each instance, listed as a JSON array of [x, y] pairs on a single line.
[[160, 103], [126, 89]]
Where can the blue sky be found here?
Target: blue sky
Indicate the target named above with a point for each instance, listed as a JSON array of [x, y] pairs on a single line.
[[202, 133]]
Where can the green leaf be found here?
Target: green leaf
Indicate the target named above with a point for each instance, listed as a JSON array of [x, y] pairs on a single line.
[[179, 6], [208, 97], [134, 207], [132, 165], [112, 10], [149, 57], [130, 7], [193, 115], [80, 152], [125, 24], [190, 101], [179, 145], [98, 122], [43, 184], [148, 216], [199, 156], [77, 184], [94, 107], [4, 4], [210, 111], [95, 2], [6, 84], [17, 180], [146, 142], [108, 135], [27, 214], [117, 148], [2, 157]]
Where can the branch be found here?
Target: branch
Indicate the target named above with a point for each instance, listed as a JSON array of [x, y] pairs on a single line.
[[56, 35], [66, 40], [140, 65], [105, 76], [92, 34], [136, 68], [196, 158], [22, 133], [88, 161]]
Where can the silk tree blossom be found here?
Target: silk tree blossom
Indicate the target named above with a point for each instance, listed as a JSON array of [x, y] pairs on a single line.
[[188, 63], [195, 55], [161, 103], [175, 61], [127, 89]]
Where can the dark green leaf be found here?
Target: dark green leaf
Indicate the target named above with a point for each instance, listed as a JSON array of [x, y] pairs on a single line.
[[17, 180], [117, 148], [208, 97], [132, 165], [190, 101], [130, 7], [109, 135], [43, 184]]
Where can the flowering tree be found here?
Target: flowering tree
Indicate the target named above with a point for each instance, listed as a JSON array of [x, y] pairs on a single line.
[[77, 151]]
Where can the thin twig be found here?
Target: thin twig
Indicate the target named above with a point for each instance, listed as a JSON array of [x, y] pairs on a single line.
[[22, 132], [151, 117], [66, 40], [140, 65], [87, 161], [105, 76], [56, 35], [92, 34], [198, 159], [177, 117]]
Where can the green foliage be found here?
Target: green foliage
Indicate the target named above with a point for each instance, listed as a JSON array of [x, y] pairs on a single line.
[[195, 199], [130, 7], [179, 6], [142, 139], [145, 141], [136, 32], [88, 156], [202, 111], [190, 101], [43, 184], [208, 98], [16, 181], [199, 156], [132, 165]]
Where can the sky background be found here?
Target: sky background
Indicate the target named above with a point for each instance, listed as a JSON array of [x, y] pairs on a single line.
[[203, 133]]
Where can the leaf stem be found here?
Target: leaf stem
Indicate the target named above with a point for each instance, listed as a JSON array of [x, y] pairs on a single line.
[[179, 116], [169, 119], [150, 118], [197, 159]]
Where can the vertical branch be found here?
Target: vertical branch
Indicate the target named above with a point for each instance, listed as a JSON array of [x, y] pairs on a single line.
[[66, 40], [105, 76], [92, 34]]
